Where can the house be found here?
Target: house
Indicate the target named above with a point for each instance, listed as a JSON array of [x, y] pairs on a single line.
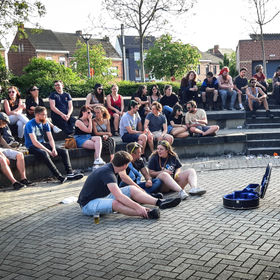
[[132, 53], [220, 52], [56, 46], [249, 53], [208, 62]]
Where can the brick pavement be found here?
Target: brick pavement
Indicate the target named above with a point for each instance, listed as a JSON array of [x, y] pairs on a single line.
[[199, 239]]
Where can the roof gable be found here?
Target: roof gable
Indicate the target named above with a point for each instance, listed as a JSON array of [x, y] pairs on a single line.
[[133, 41]]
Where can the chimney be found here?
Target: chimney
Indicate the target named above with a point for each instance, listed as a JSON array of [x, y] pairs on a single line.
[[79, 32], [216, 49], [106, 38]]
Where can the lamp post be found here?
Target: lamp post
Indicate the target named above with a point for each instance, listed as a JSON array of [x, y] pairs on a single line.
[[86, 38]]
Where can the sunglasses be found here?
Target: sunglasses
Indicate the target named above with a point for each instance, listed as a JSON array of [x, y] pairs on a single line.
[[57, 85], [89, 112], [188, 108], [11, 91], [34, 89], [253, 82], [136, 145], [100, 88]]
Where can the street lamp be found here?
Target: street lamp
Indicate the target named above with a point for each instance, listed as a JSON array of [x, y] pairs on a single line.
[[86, 38]]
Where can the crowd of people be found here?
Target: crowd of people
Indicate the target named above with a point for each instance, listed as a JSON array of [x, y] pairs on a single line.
[[152, 119]]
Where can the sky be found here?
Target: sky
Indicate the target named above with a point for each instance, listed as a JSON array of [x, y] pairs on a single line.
[[209, 23]]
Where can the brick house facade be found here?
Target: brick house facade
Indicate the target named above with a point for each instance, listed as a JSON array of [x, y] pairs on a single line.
[[56, 46], [249, 53]]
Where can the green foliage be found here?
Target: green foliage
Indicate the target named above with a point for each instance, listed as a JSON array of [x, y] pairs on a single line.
[[43, 72], [169, 58], [14, 13], [230, 62], [5, 75], [98, 61]]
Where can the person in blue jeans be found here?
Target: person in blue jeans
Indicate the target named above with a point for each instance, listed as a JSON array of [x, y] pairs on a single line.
[[226, 88], [136, 168]]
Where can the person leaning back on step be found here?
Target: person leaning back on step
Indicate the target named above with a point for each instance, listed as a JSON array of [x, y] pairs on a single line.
[[7, 153], [196, 120], [102, 195], [35, 143]]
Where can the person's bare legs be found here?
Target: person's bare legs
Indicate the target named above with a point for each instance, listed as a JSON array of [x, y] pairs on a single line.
[[116, 121], [168, 183], [142, 140], [183, 135], [142, 197], [187, 177], [6, 169], [94, 144], [150, 140], [211, 130], [123, 209], [265, 104], [21, 165]]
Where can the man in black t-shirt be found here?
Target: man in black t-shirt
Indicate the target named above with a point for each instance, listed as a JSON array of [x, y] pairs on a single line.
[[240, 84], [102, 195]]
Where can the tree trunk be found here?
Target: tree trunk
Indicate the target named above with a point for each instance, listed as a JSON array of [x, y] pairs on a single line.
[[263, 51], [142, 69]]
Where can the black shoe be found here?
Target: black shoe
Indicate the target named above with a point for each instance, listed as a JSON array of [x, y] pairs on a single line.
[[254, 116], [269, 114], [62, 179], [17, 185], [154, 214], [157, 195], [75, 176], [168, 203], [26, 182]]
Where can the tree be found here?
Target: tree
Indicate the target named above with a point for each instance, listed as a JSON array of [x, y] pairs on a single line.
[[146, 15], [43, 73], [167, 58], [98, 61], [4, 74], [14, 13], [264, 16], [230, 62]]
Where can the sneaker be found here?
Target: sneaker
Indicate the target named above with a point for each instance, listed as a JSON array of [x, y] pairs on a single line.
[[95, 166], [241, 107], [14, 144], [157, 195], [62, 179], [99, 161], [197, 191], [56, 129], [168, 203], [183, 195], [26, 182], [17, 185], [154, 214], [75, 176]]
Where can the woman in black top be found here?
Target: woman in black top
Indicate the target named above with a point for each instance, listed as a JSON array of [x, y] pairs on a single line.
[[83, 137], [32, 101], [141, 97], [168, 100], [188, 88], [177, 127]]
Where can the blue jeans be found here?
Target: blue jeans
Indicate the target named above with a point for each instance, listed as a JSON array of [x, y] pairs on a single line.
[[153, 189], [103, 205], [224, 94]]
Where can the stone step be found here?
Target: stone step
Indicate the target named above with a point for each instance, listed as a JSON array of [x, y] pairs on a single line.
[[263, 135], [267, 143], [263, 151], [262, 125], [258, 120]]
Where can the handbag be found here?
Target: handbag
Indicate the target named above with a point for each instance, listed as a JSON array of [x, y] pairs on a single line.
[[70, 143]]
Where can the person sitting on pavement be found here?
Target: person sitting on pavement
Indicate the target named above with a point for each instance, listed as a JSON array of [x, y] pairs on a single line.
[[136, 168], [141, 97], [102, 195], [276, 85], [188, 88], [156, 125], [261, 78], [14, 107], [32, 101], [131, 129], [168, 100], [61, 109], [256, 97], [35, 143], [226, 88], [209, 87], [115, 105], [165, 165], [96, 98], [177, 126], [240, 85], [196, 120], [7, 153], [101, 127], [83, 137]]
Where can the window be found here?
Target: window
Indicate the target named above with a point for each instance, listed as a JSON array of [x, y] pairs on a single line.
[[137, 74], [207, 68], [20, 48], [62, 60], [49, 58], [215, 69], [114, 71], [136, 56], [198, 69]]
